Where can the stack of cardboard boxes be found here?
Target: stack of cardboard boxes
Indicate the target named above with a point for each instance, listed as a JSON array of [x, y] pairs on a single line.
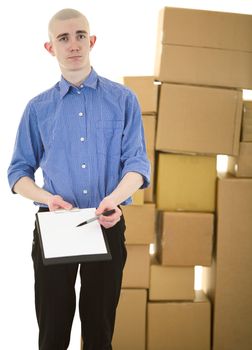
[[229, 280], [147, 94], [204, 48], [130, 330], [203, 61]]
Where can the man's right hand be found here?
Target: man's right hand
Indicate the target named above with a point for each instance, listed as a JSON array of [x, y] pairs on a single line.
[[57, 202]]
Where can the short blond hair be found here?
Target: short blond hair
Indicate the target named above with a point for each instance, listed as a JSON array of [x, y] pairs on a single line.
[[64, 14]]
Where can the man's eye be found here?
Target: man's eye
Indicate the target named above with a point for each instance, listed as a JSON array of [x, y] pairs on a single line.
[[81, 36], [64, 38]]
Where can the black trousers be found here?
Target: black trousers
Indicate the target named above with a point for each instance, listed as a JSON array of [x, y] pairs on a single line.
[[55, 299]]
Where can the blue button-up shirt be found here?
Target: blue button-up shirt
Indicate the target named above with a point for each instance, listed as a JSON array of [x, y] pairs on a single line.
[[84, 139]]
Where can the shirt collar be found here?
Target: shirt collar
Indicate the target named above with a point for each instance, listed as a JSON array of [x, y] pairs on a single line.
[[91, 81]]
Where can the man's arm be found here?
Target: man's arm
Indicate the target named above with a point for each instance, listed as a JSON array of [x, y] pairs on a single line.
[[27, 188], [129, 184], [135, 164]]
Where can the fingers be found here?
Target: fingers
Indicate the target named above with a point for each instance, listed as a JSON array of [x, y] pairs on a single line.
[[109, 224], [57, 202], [111, 220]]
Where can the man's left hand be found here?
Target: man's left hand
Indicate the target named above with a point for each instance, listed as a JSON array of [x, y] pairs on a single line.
[[111, 220]]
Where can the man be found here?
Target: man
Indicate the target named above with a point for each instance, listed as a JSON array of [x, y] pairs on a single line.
[[87, 136]]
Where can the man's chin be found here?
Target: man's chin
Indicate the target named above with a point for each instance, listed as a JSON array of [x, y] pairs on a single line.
[[75, 68]]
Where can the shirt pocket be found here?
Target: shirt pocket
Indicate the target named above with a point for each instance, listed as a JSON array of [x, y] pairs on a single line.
[[109, 137]]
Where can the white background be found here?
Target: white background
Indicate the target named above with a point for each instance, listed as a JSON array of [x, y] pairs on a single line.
[[126, 41]]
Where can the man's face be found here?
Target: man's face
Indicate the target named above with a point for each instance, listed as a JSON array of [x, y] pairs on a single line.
[[71, 43]]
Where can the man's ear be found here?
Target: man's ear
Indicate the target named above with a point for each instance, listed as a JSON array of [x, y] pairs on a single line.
[[48, 46], [92, 41]]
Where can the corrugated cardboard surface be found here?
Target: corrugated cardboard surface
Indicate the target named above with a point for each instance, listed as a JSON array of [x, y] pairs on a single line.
[[199, 119], [136, 273], [186, 183], [138, 197], [230, 31], [246, 135], [130, 327], [171, 283], [244, 160], [203, 66], [204, 47], [179, 325], [232, 287], [149, 191], [149, 125], [140, 223], [241, 166], [247, 130], [146, 91], [186, 239]]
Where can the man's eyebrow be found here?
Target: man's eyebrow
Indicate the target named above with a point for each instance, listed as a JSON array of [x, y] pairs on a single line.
[[61, 35], [66, 34], [81, 32]]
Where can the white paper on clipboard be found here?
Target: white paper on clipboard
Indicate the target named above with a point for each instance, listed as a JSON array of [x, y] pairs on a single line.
[[61, 241]]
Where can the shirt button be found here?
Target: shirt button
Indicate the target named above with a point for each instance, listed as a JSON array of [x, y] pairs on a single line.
[[83, 166], [85, 191], [78, 92], [82, 139], [81, 86], [81, 114]]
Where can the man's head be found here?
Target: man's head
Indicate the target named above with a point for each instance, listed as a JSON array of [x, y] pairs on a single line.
[[70, 41], [63, 15]]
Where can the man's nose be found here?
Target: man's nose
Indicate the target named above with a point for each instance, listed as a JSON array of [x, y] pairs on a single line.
[[74, 45]]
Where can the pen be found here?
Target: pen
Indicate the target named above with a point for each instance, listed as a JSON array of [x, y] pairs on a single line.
[[105, 213]]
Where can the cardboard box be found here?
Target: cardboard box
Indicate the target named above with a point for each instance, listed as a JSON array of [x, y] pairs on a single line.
[[138, 198], [146, 91], [186, 183], [241, 166], [171, 283], [179, 325], [199, 119], [130, 327], [204, 66], [200, 28], [229, 281], [186, 239], [149, 194], [246, 135], [140, 223], [149, 124], [247, 131], [136, 273], [244, 160], [197, 47]]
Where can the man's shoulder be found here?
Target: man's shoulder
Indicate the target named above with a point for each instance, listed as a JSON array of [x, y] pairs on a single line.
[[115, 87], [46, 95]]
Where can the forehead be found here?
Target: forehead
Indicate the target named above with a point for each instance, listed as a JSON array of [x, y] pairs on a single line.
[[70, 26]]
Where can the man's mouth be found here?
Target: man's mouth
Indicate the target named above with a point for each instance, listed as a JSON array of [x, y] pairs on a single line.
[[73, 57]]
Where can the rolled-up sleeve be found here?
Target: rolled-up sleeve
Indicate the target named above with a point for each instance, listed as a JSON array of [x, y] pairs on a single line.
[[134, 156], [27, 149]]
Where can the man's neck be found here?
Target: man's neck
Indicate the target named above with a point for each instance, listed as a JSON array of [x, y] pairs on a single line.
[[76, 77]]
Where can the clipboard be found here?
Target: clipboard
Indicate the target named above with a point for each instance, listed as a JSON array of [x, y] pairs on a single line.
[[62, 242]]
